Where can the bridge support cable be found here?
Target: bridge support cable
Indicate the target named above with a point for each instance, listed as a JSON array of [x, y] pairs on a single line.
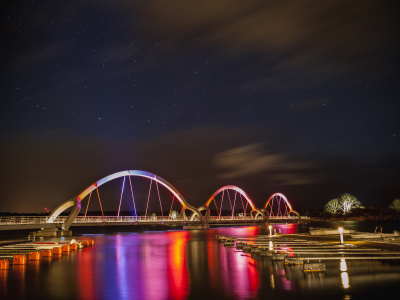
[[133, 198], [222, 201], [170, 210], [148, 198], [286, 211], [87, 206], [230, 202], [98, 195], [122, 193], [244, 207], [241, 199], [279, 212], [216, 207], [159, 199], [278, 204], [234, 202]]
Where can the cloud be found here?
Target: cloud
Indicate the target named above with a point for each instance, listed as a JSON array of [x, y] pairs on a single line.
[[336, 35], [251, 160]]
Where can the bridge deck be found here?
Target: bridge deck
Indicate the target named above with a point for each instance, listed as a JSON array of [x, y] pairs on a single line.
[[29, 222]]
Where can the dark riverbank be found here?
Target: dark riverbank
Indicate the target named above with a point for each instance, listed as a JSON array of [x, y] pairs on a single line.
[[353, 218]]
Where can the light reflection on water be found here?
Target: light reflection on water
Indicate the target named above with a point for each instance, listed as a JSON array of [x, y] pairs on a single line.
[[189, 265]]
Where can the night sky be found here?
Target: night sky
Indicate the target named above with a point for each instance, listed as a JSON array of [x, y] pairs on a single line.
[[299, 97]]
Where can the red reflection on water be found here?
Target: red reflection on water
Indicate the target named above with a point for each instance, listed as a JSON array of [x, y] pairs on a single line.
[[178, 278], [253, 277], [86, 275], [213, 267], [290, 250]]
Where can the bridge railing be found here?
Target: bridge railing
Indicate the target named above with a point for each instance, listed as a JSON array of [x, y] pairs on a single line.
[[22, 220], [227, 218], [142, 219], [124, 219]]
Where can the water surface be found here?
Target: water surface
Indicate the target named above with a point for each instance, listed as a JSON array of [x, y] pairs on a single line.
[[189, 265]]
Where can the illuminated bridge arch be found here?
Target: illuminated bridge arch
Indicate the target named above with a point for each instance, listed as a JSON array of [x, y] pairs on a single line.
[[278, 206], [239, 196], [75, 202]]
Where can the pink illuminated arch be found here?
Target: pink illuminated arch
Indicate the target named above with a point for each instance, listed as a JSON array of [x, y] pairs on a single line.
[[233, 188], [279, 206], [76, 201]]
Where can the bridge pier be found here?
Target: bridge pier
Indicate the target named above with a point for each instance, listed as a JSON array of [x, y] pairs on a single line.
[[197, 226], [52, 232]]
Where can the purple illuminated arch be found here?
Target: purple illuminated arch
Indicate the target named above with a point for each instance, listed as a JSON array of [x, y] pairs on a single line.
[[76, 201], [233, 188]]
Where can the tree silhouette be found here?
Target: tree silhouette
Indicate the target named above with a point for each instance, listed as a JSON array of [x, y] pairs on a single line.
[[348, 203], [395, 205], [333, 206]]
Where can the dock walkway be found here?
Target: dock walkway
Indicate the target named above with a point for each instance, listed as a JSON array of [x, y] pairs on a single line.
[[385, 244]]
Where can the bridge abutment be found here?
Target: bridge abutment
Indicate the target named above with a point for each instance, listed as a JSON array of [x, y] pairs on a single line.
[[52, 232], [197, 226]]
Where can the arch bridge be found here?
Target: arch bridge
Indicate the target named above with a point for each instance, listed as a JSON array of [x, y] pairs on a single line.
[[162, 205]]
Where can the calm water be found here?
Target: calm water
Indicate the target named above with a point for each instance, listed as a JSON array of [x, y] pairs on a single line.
[[190, 265]]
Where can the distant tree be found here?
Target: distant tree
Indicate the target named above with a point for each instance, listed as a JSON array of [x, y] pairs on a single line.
[[173, 214], [348, 203], [333, 206], [344, 204], [395, 205]]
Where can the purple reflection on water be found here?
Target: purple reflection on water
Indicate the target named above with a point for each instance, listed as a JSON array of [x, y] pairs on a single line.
[[126, 262], [135, 266], [238, 271]]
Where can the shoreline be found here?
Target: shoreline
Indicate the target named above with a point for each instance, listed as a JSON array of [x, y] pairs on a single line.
[[359, 219]]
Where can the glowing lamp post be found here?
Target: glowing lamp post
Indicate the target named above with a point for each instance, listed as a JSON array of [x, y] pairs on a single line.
[[340, 230], [270, 229]]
